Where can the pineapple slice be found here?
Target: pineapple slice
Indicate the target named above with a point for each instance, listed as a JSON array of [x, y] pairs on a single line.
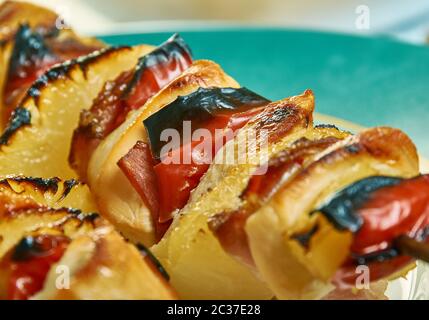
[[37, 139], [101, 264]]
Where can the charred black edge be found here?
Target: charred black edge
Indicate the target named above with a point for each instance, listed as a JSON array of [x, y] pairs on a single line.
[[348, 200], [68, 186], [29, 46], [378, 256], [326, 126], [71, 212], [20, 118], [49, 184], [331, 126], [147, 253], [197, 105], [62, 70], [44, 184], [23, 246], [304, 237], [27, 248]]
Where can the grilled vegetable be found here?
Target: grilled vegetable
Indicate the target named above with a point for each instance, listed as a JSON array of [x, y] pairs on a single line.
[[189, 247], [103, 252], [32, 43], [306, 250], [380, 211], [50, 192], [129, 91], [14, 13], [229, 227], [213, 109], [37, 139], [32, 55], [36, 239], [115, 195]]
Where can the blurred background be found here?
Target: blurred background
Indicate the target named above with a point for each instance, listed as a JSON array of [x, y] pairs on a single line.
[[407, 20]]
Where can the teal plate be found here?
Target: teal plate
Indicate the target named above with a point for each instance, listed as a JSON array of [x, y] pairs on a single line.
[[371, 81]]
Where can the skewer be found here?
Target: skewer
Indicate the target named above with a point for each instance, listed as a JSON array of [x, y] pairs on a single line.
[[411, 247]]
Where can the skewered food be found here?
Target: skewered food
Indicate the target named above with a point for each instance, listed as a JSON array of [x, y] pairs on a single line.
[[39, 240], [237, 196], [30, 47]]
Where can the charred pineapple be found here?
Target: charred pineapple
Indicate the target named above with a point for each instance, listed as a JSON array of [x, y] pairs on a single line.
[[38, 240], [37, 138]]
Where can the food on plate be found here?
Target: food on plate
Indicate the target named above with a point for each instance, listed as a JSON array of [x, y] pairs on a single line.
[[129, 91], [31, 49], [39, 242], [14, 13], [36, 140], [289, 211], [108, 151], [115, 195]]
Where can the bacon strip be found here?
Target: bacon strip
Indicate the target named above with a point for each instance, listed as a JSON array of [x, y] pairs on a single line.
[[137, 165]]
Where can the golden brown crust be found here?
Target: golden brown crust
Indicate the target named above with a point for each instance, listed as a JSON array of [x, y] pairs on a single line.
[[229, 227], [37, 140], [29, 22], [110, 269], [189, 241], [104, 265], [379, 151], [117, 199], [51, 192], [29, 205]]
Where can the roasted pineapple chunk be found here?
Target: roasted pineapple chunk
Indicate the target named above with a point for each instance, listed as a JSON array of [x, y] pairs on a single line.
[[101, 264], [37, 139]]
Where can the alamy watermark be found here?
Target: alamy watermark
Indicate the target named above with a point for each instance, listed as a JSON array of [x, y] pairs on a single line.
[[363, 18], [221, 146]]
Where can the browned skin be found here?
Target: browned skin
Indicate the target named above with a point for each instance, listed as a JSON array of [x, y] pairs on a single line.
[[229, 227], [105, 256], [13, 13], [97, 123], [272, 119], [377, 142], [57, 72], [64, 46]]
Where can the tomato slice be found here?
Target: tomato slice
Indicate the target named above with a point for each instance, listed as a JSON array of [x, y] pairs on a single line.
[[31, 262]]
